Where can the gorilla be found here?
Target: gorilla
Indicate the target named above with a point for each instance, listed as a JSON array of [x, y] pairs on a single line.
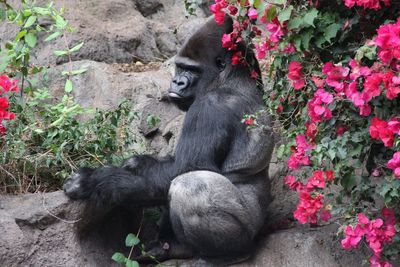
[[216, 186]]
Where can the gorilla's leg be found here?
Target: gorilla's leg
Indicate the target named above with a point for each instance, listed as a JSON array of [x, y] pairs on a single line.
[[210, 214]]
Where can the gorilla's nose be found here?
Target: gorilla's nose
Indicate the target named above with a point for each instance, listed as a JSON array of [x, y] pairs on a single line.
[[178, 85]]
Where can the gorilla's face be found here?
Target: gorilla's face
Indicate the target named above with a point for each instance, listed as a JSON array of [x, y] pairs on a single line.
[[199, 64]]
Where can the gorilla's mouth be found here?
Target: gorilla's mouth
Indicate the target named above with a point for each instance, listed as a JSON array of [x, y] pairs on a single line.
[[174, 95]]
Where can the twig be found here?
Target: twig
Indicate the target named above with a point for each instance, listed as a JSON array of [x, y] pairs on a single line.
[[10, 174], [55, 216]]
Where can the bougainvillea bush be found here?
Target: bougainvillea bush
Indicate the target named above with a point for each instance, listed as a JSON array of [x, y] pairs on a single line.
[[335, 74]]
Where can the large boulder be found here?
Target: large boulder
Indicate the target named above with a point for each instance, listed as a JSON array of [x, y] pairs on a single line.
[[116, 30]]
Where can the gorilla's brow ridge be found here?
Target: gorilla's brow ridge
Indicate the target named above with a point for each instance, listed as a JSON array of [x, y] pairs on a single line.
[[185, 62]]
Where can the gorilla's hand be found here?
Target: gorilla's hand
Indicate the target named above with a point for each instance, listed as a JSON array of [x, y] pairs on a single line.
[[79, 184]]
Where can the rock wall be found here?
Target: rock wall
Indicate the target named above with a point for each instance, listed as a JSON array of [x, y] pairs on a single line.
[[39, 229]]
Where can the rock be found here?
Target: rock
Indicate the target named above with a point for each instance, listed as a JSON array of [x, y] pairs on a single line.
[[116, 30], [148, 7], [39, 230]]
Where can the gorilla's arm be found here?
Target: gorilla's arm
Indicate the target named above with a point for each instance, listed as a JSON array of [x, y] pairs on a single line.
[[252, 152], [144, 180]]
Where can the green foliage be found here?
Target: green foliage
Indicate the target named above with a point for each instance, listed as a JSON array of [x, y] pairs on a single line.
[[49, 139]]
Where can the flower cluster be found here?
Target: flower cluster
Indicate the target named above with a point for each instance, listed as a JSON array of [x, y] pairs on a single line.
[[318, 109], [299, 156], [384, 131], [295, 75], [388, 40], [217, 10], [310, 203], [6, 85], [376, 233], [394, 164], [367, 4]]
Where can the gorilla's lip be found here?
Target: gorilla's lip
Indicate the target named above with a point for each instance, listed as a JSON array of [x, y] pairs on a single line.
[[174, 95]]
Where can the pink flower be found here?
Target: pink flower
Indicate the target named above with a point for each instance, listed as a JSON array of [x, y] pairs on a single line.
[[336, 75], [226, 41], [237, 58], [317, 107], [232, 10], [379, 130], [252, 13], [6, 85], [299, 156], [388, 40], [394, 164], [330, 175], [353, 237], [325, 215], [311, 130], [349, 3], [340, 130], [316, 180], [308, 207], [216, 9], [275, 29], [394, 125], [296, 75], [249, 121], [357, 70], [293, 183]]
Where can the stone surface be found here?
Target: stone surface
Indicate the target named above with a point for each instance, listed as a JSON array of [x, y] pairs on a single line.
[[117, 30], [39, 230]]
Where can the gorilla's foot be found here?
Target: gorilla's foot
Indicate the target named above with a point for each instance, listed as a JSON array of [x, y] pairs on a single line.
[[161, 251], [74, 186]]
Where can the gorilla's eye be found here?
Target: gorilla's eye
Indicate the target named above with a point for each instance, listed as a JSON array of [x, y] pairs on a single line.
[[220, 63]]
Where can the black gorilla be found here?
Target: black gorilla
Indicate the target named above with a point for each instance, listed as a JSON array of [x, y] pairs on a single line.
[[215, 186]]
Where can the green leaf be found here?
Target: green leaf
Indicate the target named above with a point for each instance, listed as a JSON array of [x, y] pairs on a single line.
[[20, 35], [74, 72], [271, 13], [60, 22], [30, 21], [348, 181], [68, 86], [295, 23], [41, 11], [277, 2], [280, 151], [76, 48], [131, 263], [284, 15], [131, 240], [60, 53], [31, 39], [331, 31], [119, 257], [52, 36], [305, 39], [310, 16]]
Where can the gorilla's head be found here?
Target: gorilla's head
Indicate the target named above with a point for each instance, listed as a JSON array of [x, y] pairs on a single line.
[[200, 63]]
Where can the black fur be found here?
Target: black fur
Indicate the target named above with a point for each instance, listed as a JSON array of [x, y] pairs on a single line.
[[216, 184]]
